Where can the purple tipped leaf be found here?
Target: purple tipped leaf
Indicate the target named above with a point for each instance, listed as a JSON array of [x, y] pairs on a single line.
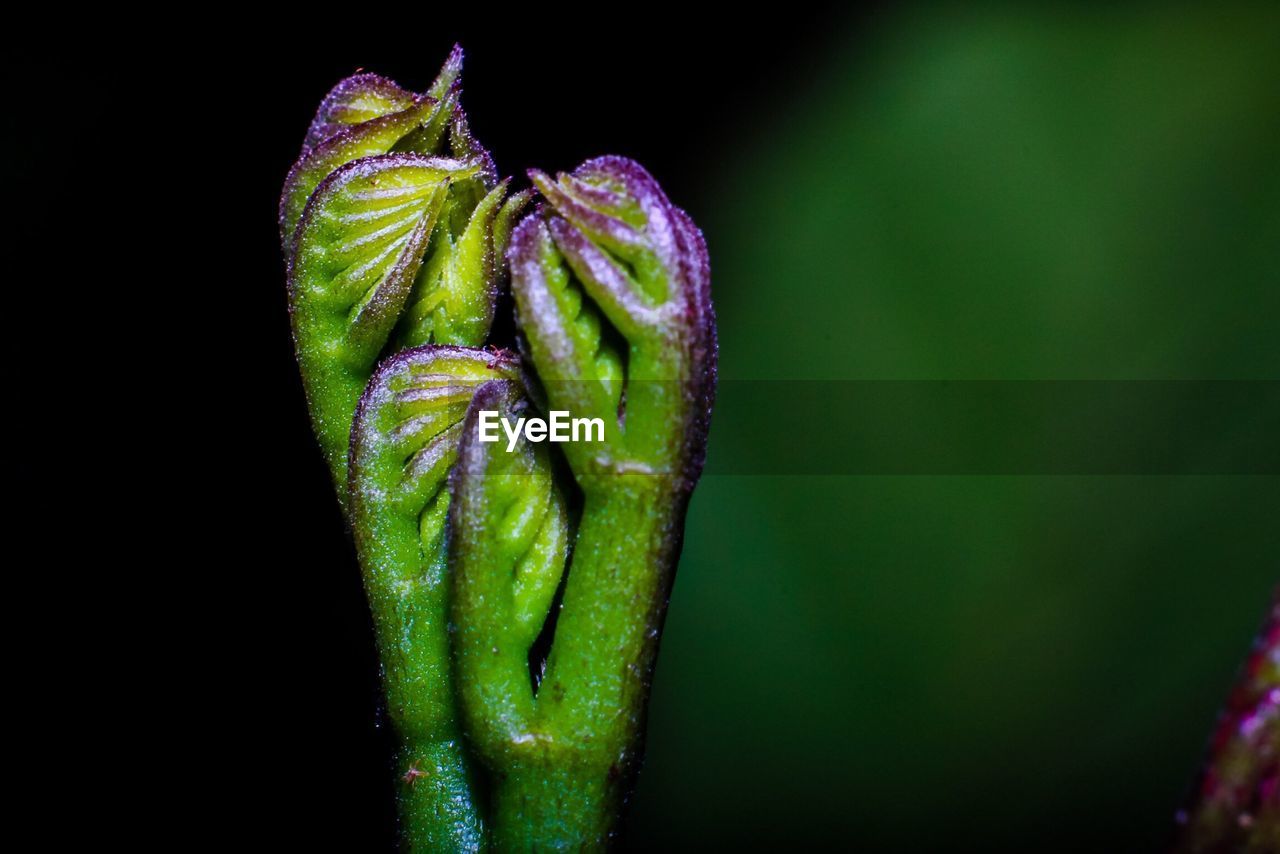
[[703, 348], [404, 442], [360, 247], [450, 73], [581, 370], [506, 221], [429, 137], [375, 137], [614, 233], [356, 100], [447, 307], [608, 283], [610, 244]]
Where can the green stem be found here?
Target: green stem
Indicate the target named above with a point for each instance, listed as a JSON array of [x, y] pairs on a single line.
[[410, 611], [437, 812], [436, 806], [568, 775], [552, 807], [434, 794]]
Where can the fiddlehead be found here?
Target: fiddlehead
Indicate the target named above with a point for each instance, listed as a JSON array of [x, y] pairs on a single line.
[[389, 244], [610, 245], [363, 97], [395, 229], [425, 120], [611, 288], [357, 99], [361, 246], [403, 445], [366, 115]]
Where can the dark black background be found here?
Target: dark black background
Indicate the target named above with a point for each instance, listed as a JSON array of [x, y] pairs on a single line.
[[235, 685]]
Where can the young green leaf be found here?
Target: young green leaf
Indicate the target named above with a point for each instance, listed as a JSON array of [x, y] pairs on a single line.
[[363, 97], [354, 101], [366, 115], [456, 290], [403, 445], [377, 136], [612, 292], [510, 536], [361, 244], [611, 252]]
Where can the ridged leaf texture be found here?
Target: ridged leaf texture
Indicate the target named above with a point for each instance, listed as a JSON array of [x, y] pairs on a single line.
[[613, 291], [510, 530], [361, 245]]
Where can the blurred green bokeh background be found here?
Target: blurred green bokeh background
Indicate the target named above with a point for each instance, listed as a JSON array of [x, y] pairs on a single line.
[[906, 663]]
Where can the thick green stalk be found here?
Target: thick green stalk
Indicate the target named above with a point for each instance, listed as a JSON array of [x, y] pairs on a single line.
[[540, 807], [404, 443], [612, 292], [434, 794], [563, 757], [569, 777]]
